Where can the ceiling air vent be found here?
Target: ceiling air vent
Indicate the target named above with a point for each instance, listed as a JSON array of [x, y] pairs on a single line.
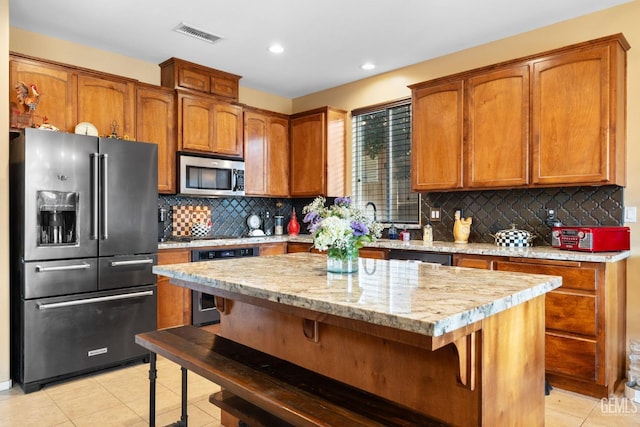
[[190, 30]]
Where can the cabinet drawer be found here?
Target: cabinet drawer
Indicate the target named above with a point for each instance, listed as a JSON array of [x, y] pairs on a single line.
[[571, 313], [570, 356], [583, 277]]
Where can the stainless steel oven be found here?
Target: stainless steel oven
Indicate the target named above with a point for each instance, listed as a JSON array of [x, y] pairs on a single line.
[[203, 307]]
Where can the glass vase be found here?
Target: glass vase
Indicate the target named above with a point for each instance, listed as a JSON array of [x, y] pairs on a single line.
[[342, 260]]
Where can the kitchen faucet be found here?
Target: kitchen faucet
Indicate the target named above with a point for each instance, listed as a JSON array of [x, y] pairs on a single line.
[[375, 211]]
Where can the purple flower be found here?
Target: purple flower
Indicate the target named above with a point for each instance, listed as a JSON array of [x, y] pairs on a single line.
[[359, 229], [311, 217], [343, 201]]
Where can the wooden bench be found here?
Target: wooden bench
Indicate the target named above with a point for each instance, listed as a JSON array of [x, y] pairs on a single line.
[[262, 390]]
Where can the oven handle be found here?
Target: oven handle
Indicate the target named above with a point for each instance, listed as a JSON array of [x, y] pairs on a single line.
[[83, 266], [131, 262], [94, 300]]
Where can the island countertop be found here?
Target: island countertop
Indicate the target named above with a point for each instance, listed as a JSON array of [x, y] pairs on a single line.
[[423, 298]]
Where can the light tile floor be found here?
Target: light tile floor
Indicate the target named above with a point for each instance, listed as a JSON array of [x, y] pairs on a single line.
[[120, 398]]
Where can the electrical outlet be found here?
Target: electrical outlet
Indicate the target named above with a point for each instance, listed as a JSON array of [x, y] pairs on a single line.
[[458, 211], [434, 214], [630, 214]]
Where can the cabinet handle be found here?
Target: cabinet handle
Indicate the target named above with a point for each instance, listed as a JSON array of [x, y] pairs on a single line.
[[94, 300], [131, 262], [83, 266]]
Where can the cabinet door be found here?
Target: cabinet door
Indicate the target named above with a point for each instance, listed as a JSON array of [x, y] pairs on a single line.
[[437, 126], [571, 111], [174, 302], [227, 128], [106, 102], [308, 154], [195, 123], [255, 157], [497, 151], [56, 86], [155, 122], [278, 157]]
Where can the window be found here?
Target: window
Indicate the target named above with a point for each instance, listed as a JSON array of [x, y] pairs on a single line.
[[382, 162]]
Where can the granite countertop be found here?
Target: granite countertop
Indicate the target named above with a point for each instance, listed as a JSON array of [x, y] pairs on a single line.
[[539, 252], [424, 298]]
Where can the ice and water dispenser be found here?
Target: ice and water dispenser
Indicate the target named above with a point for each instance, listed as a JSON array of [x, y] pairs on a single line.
[[57, 216]]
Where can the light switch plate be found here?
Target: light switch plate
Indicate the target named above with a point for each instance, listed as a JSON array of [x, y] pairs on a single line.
[[630, 214], [434, 214]]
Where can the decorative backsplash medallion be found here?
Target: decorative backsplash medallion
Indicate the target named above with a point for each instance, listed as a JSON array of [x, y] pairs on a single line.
[[183, 216]]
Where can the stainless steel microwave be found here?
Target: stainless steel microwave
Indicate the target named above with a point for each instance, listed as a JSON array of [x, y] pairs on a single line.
[[209, 176]]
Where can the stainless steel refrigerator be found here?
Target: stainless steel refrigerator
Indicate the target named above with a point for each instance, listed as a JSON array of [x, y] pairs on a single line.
[[83, 242]]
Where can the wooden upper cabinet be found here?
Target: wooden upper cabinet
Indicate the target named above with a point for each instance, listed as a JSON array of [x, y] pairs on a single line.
[[207, 125], [437, 136], [227, 129], [278, 157], [497, 133], [179, 74], [578, 116], [107, 100], [56, 86], [266, 139], [156, 122], [317, 153], [471, 130]]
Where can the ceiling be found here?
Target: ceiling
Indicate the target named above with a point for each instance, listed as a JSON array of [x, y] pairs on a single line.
[[325, 41]]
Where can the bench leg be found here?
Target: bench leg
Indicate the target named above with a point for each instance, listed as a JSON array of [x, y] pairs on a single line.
[[183, 417], [152, 389]]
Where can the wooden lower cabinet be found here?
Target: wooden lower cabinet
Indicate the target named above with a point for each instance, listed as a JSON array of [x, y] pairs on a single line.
[[585, 320], [174, 302], [273, 249]]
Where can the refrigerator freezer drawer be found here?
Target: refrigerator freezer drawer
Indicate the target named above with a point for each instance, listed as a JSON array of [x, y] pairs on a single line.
[[63, 277], [67, 336], [124, 271]]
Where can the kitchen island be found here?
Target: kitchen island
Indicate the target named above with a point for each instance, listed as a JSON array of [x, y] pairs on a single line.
[[463, 346]]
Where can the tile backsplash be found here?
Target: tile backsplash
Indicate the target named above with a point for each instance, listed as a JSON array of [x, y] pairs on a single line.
[[497, 210], [491, 211], [229, 215]]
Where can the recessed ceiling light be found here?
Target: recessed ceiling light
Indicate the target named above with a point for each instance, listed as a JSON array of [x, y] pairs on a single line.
[[276, 48], [368, 66]]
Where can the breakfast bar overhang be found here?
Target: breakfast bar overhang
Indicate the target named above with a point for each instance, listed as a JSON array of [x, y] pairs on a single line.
[[463, 346]]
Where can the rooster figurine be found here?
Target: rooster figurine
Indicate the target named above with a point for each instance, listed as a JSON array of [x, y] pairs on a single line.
[[28, 96]]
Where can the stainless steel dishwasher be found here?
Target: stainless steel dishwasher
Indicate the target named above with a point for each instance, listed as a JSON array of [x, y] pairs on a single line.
[[433, 257]]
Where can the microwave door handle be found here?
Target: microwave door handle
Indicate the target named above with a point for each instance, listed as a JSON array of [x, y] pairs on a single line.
[[95, 194], [104, 178]]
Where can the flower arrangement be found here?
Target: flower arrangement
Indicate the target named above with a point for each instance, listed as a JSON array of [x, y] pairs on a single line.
[[341, 226]]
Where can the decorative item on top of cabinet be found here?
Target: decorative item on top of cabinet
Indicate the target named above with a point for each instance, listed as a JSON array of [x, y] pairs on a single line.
[[180, 74], [103, 99], [318, 140], [208, 125], [266, 153], [57, 87], [578, 115], [156, 123]]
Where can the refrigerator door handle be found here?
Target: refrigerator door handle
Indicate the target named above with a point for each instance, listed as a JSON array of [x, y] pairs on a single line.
[[104, 178], [83, 266], [95, 300], [131, 262], [95, 193]]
